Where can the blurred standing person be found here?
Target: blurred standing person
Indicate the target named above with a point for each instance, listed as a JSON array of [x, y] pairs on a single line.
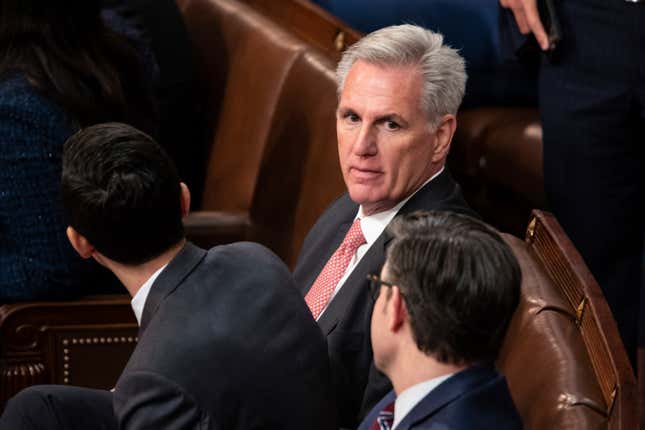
[[62, 67], [592, 106]]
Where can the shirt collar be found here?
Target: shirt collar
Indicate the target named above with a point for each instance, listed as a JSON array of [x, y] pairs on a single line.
[[373, 225], [139, 299], [409, 398]]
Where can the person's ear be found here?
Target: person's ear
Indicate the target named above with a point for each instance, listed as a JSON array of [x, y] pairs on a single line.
[[84, 248], [443, 136], [185, 199], [398, 311]]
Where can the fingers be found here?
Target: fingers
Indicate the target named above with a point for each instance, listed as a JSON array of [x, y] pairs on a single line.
[[517, 7], [528, 20], [535, 24]]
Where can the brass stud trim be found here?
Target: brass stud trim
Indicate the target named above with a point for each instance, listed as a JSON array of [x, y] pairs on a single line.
[[67, 373], [530, 230], [339, 41], [580, 311], [612, 400]]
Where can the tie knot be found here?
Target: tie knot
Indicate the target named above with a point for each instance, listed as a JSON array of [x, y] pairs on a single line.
[[354, 237], [385, 418]]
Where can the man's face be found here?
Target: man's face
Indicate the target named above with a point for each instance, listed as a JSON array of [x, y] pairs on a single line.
[[379, 326], [385, 144]]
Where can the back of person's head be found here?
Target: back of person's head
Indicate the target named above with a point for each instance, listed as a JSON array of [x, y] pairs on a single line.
[[442, 68], [460, 282], [121, 192], [71, 56]]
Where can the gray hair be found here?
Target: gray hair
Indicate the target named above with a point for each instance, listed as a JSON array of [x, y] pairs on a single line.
[[442, 68]]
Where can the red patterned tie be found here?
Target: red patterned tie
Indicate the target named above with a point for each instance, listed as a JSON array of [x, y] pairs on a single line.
[[384, 419], [325, 284]]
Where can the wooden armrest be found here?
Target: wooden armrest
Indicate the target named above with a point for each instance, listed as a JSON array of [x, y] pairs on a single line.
[[210, 228], [84, 342]]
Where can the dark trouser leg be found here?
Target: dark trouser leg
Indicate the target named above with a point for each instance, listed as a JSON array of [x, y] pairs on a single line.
[[56, 407], [594, 149]]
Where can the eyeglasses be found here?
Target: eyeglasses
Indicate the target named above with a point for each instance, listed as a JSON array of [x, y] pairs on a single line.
[[375, 285]]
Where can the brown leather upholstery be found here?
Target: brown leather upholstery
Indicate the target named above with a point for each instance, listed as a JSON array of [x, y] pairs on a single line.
[[85, 342], [564, 361], [265, 130], [300, 175], [243, 60], [310, 23], [496, 156]]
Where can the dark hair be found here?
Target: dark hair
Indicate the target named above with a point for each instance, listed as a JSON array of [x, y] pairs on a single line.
[[121, 191], [460, 282], [69, 55]]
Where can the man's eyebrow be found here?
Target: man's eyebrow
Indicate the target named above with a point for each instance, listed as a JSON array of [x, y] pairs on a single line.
[[392, 117], [343, 110]]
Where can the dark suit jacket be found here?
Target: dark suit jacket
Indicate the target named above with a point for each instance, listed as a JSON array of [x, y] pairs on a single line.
[[475, 398], [346, 320], [226, 342]]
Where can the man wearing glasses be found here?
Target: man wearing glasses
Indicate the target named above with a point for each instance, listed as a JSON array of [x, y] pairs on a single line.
[[444, 300], [399, 90]]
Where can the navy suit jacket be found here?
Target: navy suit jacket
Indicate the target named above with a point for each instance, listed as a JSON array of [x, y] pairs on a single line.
[[346, 320], [475, 398], [226, 342]]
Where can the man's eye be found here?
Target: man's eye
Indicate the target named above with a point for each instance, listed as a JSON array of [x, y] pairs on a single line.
[[352, 117], [391, 125]]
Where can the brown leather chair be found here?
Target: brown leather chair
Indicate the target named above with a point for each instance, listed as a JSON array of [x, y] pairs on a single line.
[[563, 358], [310, 23], [85, 342], [496, 156], [243, 60], [257, 199], [300, 175]]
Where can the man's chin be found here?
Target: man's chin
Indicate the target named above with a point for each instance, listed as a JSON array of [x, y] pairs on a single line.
[[361, 196], [369, 203]]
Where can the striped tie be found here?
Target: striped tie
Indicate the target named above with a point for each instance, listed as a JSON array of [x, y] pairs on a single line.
[[384, 419]]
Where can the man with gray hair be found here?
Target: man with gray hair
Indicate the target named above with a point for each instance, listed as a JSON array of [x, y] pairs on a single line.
[[399, 90]]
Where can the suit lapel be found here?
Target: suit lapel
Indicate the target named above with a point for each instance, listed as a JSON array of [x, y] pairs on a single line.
[[434, 194], [447, 392], [169, 279], [371, 262]]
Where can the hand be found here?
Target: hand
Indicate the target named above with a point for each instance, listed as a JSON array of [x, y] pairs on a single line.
[[528, 19]]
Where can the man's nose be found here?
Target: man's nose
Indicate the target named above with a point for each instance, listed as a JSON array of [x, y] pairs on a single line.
[[365, 143]]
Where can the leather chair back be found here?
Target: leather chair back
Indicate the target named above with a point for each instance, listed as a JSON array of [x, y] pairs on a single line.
[[299, 176], [243, 60], [563, 358], [496, 156], [311, 23]]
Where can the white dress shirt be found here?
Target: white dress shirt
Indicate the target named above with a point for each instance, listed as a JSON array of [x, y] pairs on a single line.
[[372, 227], [408, 399], [139, 299]]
